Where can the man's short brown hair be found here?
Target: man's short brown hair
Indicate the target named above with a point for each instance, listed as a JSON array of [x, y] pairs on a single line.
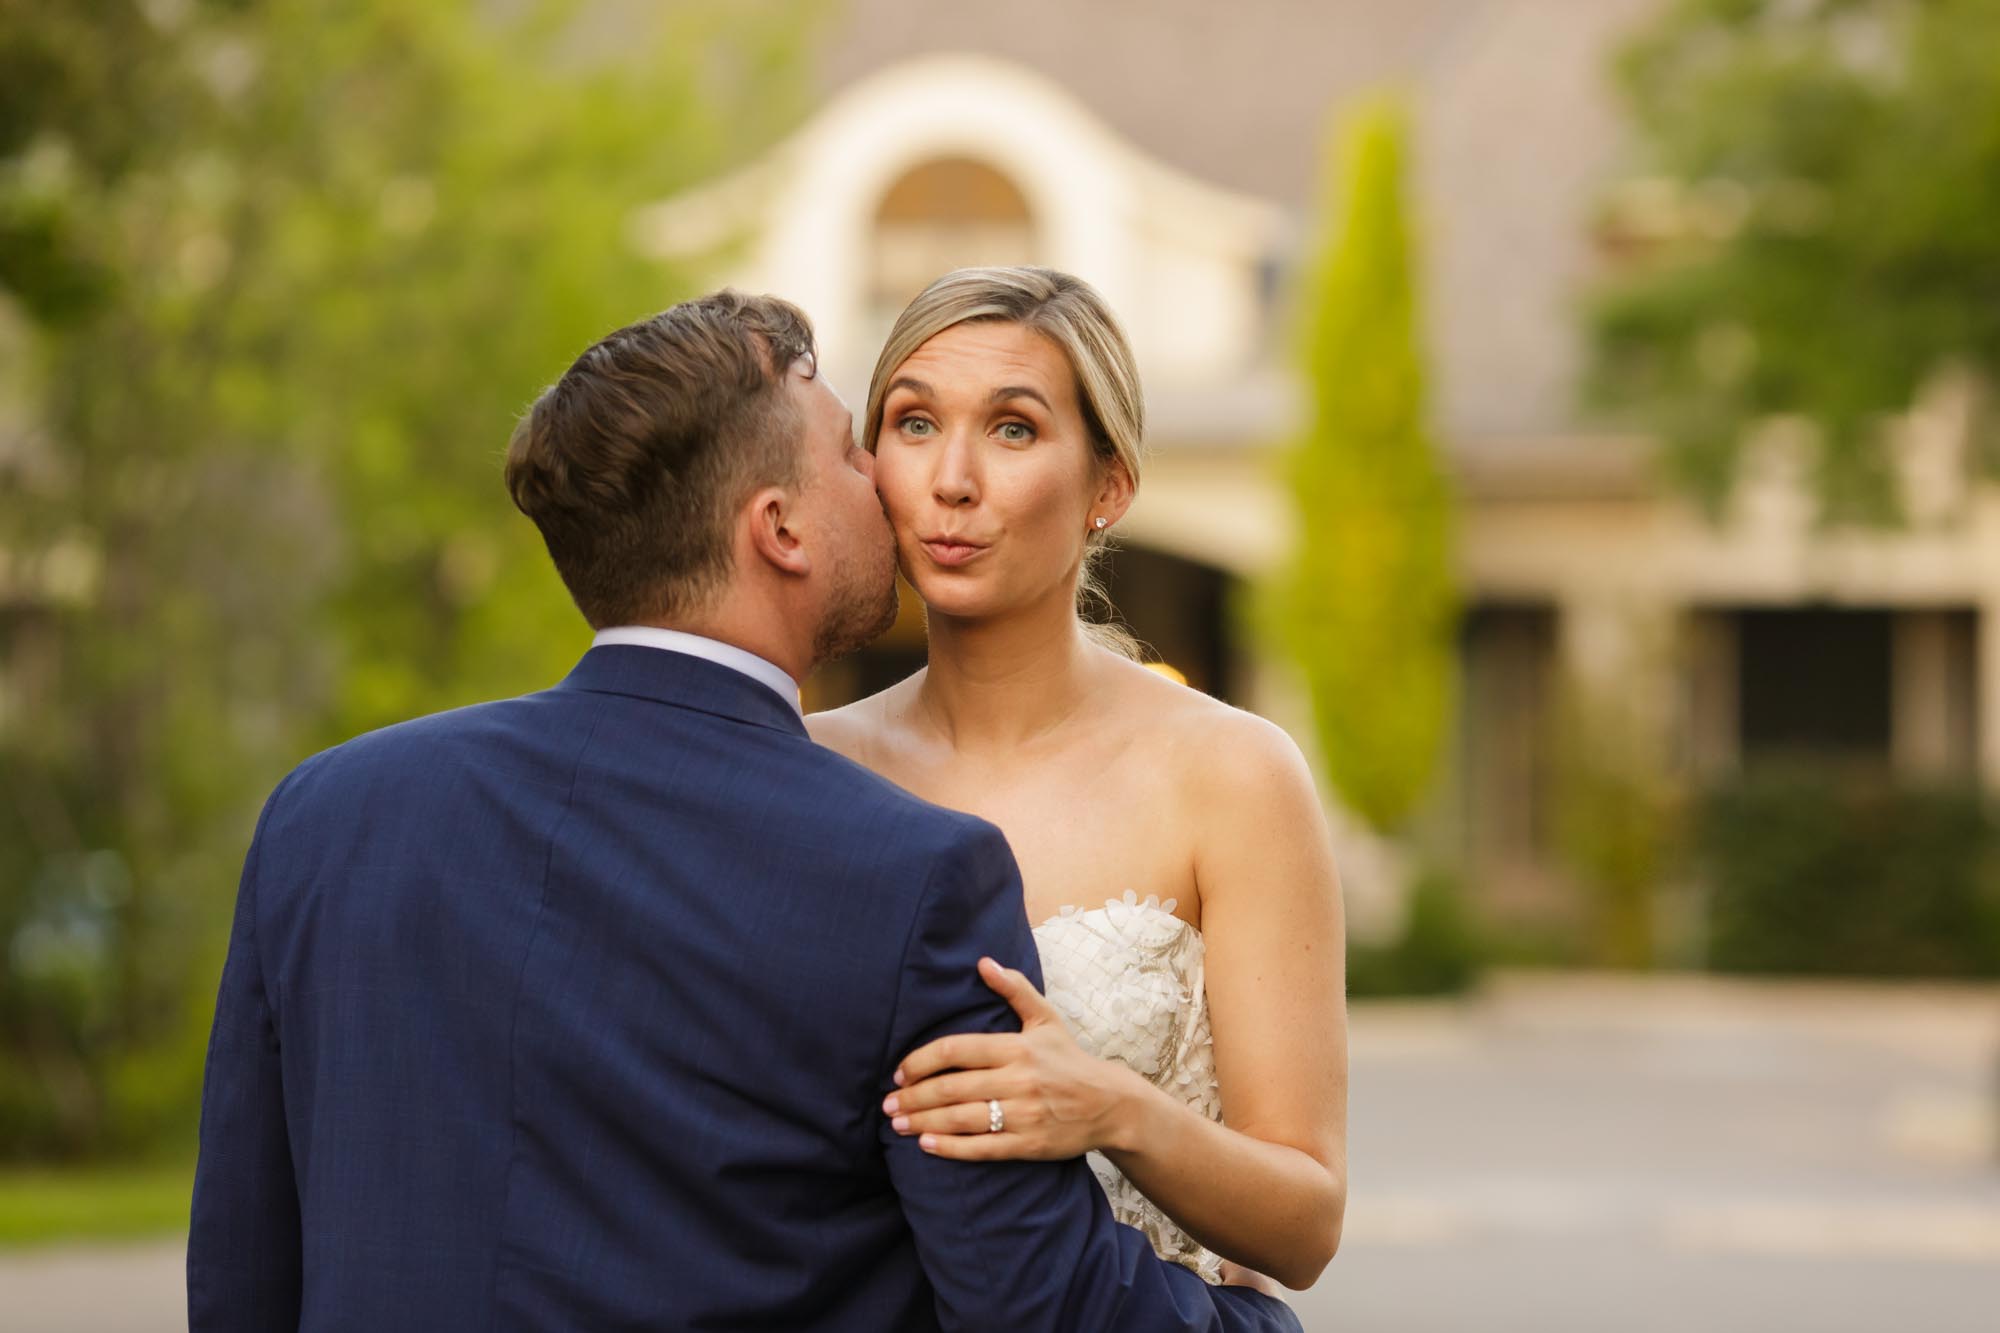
[[632, 463]]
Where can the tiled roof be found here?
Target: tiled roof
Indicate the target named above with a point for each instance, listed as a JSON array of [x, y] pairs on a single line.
[[1234, 92]]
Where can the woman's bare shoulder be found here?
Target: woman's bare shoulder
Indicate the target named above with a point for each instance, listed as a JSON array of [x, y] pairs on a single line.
[[1241, 791], [1198, 730], [859, 729], [839, 728], [1237, 743], [1221, 757]]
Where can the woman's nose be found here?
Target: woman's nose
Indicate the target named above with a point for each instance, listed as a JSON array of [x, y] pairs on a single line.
[[956, 481]]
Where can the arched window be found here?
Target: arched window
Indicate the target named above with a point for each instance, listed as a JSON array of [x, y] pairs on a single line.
[[944, 214]]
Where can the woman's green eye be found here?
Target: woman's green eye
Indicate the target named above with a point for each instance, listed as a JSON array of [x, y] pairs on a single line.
[[1021, 432], [916, 426]]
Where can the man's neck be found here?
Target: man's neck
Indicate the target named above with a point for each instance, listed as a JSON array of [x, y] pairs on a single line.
[[750, 634], [739, 655]]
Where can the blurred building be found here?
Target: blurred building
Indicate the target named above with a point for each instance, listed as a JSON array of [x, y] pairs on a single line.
[[1171, 152]]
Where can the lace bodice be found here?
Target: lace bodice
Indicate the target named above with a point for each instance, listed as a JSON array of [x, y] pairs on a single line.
[[1127, 979]]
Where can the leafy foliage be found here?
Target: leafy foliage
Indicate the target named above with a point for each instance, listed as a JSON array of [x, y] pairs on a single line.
[[1816, 238], [1368, 606], [287, 272], [1618, 816], [1439, 951], [1816, 871]]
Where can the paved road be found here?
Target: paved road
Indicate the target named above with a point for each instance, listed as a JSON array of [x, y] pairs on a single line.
[[1575, 1154], [1583, 1154]]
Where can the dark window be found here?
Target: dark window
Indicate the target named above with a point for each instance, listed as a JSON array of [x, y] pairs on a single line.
[[1814, 683], [1508, 653], [1179, 609], [876, 668], [941, 215]]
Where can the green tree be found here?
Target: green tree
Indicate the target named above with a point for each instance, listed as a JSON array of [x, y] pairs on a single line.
[[1616, 823], [1368, 606], [1814, 235], [326, 255], [79, 83]]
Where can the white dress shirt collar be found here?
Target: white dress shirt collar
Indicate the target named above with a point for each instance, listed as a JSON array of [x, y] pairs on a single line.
[[712, 650]]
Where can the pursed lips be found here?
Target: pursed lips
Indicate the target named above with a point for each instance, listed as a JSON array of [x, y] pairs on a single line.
[[951, 551]]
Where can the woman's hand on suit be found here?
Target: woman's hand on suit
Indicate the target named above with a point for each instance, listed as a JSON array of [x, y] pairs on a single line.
[[1055, 1100]]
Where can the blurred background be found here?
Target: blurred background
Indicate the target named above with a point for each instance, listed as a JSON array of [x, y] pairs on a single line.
[[1574, 420]]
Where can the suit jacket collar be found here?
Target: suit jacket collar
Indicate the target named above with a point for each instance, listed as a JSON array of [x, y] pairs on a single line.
[[683, 681]]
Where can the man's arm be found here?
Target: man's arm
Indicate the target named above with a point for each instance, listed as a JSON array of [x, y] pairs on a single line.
[[243, 1266], [1021, 1245]]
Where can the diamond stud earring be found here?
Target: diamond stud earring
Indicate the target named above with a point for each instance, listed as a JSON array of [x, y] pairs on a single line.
[[1102, 523]]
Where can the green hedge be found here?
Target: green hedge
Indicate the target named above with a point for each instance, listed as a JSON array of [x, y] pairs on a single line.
[[1829, 872], [1437, 953]]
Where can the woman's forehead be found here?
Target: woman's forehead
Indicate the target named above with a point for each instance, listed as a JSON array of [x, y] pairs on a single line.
[[985, 355]]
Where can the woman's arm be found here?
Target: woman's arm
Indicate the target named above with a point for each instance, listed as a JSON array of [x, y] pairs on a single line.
[[1267, 1189]]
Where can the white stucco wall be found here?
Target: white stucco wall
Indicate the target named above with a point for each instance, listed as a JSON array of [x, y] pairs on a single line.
[[1177, 260]]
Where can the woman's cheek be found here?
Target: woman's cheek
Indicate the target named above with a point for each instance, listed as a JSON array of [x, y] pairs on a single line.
[[1043, 504], [889, 485]]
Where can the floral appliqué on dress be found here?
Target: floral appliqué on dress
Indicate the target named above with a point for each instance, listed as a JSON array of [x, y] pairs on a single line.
[[1127, 979]]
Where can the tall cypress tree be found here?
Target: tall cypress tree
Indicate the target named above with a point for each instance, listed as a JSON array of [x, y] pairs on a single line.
[[1368, 604]]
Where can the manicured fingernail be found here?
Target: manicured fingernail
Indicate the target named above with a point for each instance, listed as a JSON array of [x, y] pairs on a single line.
[[892, 1104], [927, 1142], [902, 1124], [899, 1078]]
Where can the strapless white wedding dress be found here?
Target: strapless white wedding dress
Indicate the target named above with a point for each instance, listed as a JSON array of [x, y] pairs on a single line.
[[1127, 979]]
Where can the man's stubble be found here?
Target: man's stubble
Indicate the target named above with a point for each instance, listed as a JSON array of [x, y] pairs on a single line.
[[863, 604]]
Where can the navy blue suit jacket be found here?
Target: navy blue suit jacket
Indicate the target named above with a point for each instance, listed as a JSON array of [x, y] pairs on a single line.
[[575, 1011]]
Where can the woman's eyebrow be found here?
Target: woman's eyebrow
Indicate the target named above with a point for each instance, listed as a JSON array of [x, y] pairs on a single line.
[[1020, 391], [914, 386]]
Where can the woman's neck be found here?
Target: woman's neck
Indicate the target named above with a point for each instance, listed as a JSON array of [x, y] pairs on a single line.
[[995, 685]]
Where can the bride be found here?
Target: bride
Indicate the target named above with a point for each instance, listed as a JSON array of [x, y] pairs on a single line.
[[1193, 1039]]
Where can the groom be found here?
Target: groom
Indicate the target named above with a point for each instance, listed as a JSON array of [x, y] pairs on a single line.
[[575, 1011]]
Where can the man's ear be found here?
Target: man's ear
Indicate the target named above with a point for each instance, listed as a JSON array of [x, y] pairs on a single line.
[[770, 517], [1115, 490]]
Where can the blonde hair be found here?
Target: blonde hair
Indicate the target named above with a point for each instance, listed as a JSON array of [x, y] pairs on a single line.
[[1068, 312]]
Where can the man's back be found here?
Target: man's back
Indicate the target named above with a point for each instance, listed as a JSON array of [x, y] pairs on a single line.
[[573, 1011], [580, 1000]]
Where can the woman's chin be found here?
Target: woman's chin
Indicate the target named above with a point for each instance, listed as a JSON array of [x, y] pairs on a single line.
[[954, 606], [954, 596]]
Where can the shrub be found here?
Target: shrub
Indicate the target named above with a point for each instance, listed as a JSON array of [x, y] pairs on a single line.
[[1828, 872], [1437, 952]]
